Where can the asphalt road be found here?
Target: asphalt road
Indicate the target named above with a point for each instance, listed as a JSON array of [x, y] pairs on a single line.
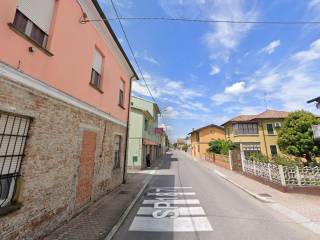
[[186, 200]]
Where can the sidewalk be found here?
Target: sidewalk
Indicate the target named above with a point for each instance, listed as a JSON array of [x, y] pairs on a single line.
[[302, 208], [98, 220]]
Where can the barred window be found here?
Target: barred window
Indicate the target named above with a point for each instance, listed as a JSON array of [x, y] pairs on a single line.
[[117, 151], [13, 135]]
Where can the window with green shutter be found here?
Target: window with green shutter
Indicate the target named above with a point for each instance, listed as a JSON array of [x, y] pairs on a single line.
[[270, 129]]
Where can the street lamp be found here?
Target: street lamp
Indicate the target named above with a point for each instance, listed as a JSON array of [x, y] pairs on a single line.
[[317, 100]]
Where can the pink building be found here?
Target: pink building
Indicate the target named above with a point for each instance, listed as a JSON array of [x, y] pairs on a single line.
[[64, 104]]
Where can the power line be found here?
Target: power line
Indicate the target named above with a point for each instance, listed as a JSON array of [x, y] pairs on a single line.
[[135, 59], [206, 20]]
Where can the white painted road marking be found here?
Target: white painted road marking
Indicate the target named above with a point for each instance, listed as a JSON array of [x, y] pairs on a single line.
[[183, 211], [181, 224], [172, 194], [165, 215], [176, 201]]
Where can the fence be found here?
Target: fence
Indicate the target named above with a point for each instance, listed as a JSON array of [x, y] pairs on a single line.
[[286, 176]]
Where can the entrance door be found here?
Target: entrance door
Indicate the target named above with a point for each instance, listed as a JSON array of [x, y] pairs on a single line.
[[85, 174]]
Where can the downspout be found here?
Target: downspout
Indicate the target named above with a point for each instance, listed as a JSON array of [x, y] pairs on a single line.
[[127, 133], [264, 139]]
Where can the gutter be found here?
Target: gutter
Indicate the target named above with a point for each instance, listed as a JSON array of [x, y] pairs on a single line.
[[127, 133]]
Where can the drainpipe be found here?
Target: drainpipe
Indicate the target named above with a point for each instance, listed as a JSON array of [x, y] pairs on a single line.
[[264, 139], [127, 134]]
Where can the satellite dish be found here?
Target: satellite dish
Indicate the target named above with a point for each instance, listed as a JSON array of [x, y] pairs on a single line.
[[318, 105]]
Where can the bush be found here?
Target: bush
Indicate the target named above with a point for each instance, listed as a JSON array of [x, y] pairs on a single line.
[[185, 147], [278, 160], [220, 146]]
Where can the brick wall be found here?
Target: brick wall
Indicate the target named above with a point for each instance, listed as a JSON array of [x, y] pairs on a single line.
[[50, 168]]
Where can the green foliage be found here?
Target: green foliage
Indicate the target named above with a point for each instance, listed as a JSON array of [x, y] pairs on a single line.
[[278, 160], [175, 145], [185, 147], [220, 146], [296, 137]]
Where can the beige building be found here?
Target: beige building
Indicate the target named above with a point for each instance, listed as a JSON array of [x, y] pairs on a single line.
[[256, 133], [202, 136]]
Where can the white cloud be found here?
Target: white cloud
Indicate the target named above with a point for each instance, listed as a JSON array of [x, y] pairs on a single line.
[[314, 4], [221, 98], [222, 38], [313, 53], [236, 88], [214, 70], [145, 56], [271, 47], [165, 88]]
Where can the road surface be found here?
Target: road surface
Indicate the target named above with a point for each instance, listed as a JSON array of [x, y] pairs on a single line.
[[185, 200]]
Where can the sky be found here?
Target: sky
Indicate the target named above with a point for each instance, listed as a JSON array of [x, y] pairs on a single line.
[[203, 73]]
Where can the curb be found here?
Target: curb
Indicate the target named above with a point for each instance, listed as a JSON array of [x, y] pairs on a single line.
[[262, 199], [127, 211]]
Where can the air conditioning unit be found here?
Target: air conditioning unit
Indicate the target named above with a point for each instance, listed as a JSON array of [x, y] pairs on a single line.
[[277, 124]]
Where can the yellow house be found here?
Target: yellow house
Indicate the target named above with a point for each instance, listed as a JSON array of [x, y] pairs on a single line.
[[202, 136], [256, 133]]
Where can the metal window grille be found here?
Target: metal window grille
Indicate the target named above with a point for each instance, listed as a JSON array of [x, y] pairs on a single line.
[[117, 149], [13, 136]]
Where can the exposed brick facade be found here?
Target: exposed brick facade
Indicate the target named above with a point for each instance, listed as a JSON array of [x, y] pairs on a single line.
[[60, 137]]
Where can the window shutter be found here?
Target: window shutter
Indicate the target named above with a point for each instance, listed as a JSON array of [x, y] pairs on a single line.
[[97, 61], [38, 11], [121, 85]]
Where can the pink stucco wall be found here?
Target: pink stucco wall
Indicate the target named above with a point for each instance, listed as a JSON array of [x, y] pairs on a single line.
[[69, 69]]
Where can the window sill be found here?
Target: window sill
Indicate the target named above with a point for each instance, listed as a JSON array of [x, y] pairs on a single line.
[[121, 106], [96, 88], [9, 209], [44, 50]]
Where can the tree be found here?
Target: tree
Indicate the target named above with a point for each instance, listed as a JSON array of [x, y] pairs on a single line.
[[296, 136], [220, 146], [185, 147]]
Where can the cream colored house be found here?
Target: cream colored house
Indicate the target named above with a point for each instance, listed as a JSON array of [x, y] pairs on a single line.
[[256, 133]]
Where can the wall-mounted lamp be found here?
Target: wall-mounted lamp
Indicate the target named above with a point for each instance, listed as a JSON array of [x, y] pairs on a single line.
[[31, 49]]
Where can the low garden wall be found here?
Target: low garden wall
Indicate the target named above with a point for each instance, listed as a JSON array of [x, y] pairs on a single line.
[[284, 178], [218, 159]]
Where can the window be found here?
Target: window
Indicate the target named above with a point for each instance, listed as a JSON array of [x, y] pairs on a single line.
[[273, 149], [250, 148], [96, 70], [24, 25], [33, 18], [121, 94], [13, 135], [270, 129], [245, 128], [198, 148], [146, 124], [197, 137], [117, 152]]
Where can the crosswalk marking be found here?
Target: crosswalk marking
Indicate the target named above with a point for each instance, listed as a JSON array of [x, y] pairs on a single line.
[[168, 209], [181, 224], [183, 211], [176, 201], [172, 194]]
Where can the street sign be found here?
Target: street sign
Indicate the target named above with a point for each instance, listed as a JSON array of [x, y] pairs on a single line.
[[316, 131]]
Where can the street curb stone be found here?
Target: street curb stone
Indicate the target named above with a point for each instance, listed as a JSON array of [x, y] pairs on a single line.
[[127, 211]]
